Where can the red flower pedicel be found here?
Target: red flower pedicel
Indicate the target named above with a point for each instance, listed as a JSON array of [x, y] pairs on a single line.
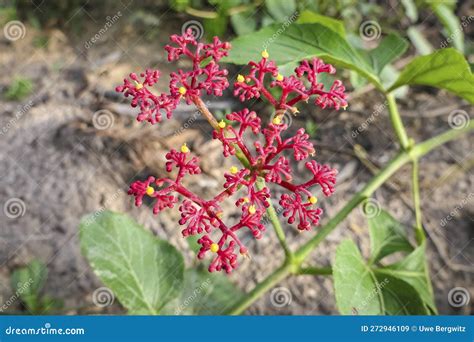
[[266, 159]]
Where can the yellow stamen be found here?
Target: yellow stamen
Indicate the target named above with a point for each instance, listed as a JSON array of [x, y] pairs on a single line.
[[312, 200], [294, 110], [246, 199], [214, 248], [221, 124], [220, 214], [252, 210], [182, 90], [234, 170], [279, 77], [138, 86], [265, 54], [150, 191], [240, 78], [184, 148], [276, 120]]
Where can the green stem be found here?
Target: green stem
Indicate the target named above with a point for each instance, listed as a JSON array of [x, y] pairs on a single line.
[[278, 275], [315, 270], [273, 217], [420, 234], [303, 252], [397, 122]]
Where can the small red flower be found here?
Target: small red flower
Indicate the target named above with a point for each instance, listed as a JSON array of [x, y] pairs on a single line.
[[267, 154]]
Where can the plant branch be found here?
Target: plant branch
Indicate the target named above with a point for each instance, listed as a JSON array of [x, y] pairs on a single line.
[[420, 234], [301, 254], [397, 122], [273, 217], [314, 271]]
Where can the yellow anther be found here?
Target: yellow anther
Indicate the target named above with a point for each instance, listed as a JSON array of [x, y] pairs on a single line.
[[234, 170], [312, 200], [252, 210], [214, 248], [265, 54], [220, 214], [184, 148], [294, 110], [279, 77], [182, 90], [138, 85], [240, 78], [276, 120], [221, 124], [149, 190], [246, 199]]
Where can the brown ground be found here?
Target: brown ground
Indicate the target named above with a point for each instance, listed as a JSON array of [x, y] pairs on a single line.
[[62, 167]]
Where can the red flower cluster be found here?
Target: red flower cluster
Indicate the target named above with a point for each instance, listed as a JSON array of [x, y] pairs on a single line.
[[265, 159]]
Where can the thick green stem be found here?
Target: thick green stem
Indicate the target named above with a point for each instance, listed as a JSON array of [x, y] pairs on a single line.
[[401, 159], [273, 217], [396, 120], [420, 234], [315, 271]]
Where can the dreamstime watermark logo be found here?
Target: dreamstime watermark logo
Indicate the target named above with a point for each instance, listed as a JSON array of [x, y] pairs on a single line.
[[465, 21], [363, 126], [458, 297], [375, 292], [456, 209], [188, 123], [102, 297], [286, 118], [20, 289], [14, 208], [286, 23], [280, 297], [14, 30], [370, 30], [193, 296], [90, 219], [458, 119], [110, 21], [196, 28], [103, 119], [371, 208], [18, 115]]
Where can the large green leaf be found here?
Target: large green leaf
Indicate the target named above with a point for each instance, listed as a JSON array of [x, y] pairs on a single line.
[[445, 69], [389, 49], [414, 271], [310, 17], [142, 271], [204, 293], [387, 236], [361, 289], [298, 42]]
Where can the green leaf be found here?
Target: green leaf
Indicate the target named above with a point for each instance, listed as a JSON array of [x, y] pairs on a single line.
[[204, 293], [387, 236], [243, 23], [309, 17], [142, 271], [298, 42], [280, 10], [360, 290], [451, 23], [445, 69], [28, 282], [389, 49], [354, 283], [414, 271]]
